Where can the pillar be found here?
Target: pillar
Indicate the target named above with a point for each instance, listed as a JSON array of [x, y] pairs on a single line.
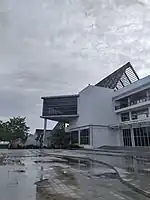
[[45, 127], [79, 137], [128, 101], [91, 136], [149, 112], [121, 136], [132, 137], [130, 116]]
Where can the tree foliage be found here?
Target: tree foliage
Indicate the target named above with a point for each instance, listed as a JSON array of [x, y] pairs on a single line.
[[13, 129], [60, 138]]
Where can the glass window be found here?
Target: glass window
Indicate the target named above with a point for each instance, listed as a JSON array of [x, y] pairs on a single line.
[[139, 114], [127, 137], [60, 106], [142, 136], [85, 136], [74, 137], [125, 117]]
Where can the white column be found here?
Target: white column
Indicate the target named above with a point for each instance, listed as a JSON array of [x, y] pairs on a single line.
[[132, 137], [130, 116], [45, 126], [149, 112], [91, 135], [79, 137], [121, 136], [128, 101]]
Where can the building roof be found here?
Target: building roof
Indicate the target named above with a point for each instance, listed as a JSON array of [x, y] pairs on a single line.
[[60, 96], [120, 78]]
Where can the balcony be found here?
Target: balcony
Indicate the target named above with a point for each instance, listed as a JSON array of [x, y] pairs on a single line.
[[136, 121], [60, 108], [135, 117], [132, 100], [132, 103]]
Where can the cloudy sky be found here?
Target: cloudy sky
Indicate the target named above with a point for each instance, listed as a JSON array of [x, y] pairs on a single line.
[[50, 47]]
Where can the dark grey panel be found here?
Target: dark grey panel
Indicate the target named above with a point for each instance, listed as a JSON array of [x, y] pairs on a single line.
[[60, 106], [120, 78]]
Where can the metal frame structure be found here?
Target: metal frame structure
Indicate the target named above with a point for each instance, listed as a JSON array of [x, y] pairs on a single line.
[[120, 78], [60, 107]]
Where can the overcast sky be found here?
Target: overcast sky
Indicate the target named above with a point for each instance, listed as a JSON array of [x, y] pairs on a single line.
[[51, 47]]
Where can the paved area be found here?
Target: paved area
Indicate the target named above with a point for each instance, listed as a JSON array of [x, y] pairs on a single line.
[[133, 170], [33, 175]]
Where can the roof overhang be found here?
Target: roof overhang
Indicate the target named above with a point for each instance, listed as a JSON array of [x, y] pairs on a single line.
[[60, 96], [60, 118]]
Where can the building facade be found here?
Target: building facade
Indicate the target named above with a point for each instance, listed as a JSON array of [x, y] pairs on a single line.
[[114, 112]]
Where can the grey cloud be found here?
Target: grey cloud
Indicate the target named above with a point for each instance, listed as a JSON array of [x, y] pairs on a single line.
[[50, 47]]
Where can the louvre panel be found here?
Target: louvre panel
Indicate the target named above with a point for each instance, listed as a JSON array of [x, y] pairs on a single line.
[[120, 78], [60, 106]]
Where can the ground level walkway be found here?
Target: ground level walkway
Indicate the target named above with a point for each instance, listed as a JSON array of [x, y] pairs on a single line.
[[61, 175]]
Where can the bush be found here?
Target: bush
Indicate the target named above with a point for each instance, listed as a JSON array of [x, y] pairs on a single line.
[[74, 146], [32, 146]]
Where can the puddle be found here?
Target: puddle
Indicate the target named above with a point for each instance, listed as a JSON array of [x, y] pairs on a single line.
[[57, 179]]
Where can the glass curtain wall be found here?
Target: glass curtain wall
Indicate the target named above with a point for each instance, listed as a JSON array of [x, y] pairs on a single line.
[[127, 137], [85, 137], [142, 136]]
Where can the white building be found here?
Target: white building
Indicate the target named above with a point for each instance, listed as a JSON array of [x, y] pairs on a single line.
[[115, 112]]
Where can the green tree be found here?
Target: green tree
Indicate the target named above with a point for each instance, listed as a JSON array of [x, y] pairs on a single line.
[[60, 139], [3, 135], [16, 128]]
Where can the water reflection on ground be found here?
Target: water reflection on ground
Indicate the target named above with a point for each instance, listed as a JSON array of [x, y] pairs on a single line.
[[32, 175]]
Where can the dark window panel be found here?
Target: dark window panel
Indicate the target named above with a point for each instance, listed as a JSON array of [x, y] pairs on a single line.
[[85, 137], [60, 106]]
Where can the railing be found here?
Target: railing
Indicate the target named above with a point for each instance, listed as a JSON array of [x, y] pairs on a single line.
[[131, 103]]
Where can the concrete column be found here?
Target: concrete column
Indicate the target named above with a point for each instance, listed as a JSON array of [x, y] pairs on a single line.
[[45, 127], [79, 137], [149, 112], [70, 137], [132, 137], [128, 101], [147, 95], [130, 116], [121, 137], [91, 136]]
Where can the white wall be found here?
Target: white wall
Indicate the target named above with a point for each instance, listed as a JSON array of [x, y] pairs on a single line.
[[105, 136], [95, 107]]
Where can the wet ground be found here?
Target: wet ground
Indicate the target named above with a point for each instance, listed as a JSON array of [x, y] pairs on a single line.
[[134, 168], [34, 175]]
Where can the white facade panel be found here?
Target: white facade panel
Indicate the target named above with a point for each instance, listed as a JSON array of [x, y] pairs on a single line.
[[105, 136], [95, 107]]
